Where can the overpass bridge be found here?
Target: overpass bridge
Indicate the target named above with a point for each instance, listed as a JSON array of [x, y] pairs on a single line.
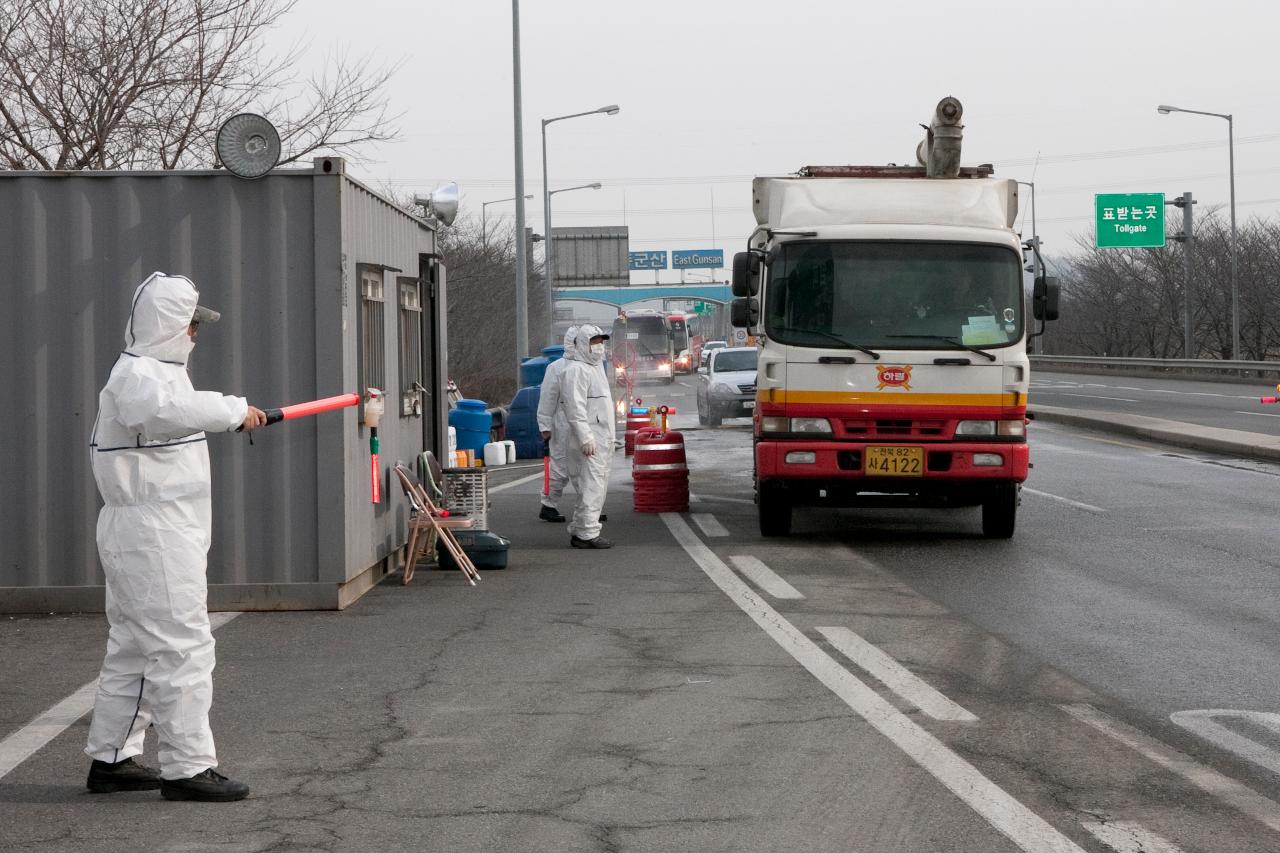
[[620, 296]]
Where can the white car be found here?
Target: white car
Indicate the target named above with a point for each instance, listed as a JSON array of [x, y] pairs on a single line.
[[708, 348], [727, 385]]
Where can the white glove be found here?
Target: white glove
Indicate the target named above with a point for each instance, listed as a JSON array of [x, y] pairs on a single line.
[[589, 447]]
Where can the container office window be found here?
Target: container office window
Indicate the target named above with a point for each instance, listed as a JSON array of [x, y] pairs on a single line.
[[410, 346], [373, 372]]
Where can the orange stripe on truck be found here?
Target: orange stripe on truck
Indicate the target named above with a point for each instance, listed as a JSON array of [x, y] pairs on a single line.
[[896, 398]]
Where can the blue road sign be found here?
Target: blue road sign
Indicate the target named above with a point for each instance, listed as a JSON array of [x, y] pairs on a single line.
[[710, 259], [647, 260]]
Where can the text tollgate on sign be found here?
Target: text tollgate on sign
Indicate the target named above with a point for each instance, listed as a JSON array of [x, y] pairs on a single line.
[[1129, 220]]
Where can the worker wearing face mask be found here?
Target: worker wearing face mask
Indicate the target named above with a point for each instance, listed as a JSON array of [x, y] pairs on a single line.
[[588, 406], [151, 463], [554, 427]]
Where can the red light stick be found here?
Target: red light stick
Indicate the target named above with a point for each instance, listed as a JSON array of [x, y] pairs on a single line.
[[315, 407]]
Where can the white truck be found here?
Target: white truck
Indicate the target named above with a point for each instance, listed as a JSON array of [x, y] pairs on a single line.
[[893, 335]]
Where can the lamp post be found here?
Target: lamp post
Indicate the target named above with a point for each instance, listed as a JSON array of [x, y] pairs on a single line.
[[546, 258], [484, 229], [1165, 109], [522, 281], [547, 252]]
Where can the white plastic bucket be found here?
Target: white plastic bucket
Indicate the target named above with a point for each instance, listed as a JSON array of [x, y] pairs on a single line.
[[453, 439], [494, 454], [510, 447]]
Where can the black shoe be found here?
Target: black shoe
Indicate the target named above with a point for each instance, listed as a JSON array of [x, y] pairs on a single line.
[[127, 775], [598, 542], [550, 513], [209, 787], [604, 516]]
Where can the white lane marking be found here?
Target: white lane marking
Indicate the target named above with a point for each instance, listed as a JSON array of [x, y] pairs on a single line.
[[1259, 414], [1076, 504], [26, 741], [1128, 837], [1101, 397], [537, 476], [1205, 724], [695, 499], [709, 524], [724, 499], [1021, 825], [764, 577], [895, 676], [1244, 799]]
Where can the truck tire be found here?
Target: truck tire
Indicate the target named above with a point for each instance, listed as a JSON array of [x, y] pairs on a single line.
[[774, 508], [702, 414], [1000, 511], [713, 414]]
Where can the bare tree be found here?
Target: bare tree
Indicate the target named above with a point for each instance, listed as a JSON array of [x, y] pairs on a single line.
[[130, 84]]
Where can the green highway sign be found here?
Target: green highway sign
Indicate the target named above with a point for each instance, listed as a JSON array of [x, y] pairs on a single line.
[[1129, 220]]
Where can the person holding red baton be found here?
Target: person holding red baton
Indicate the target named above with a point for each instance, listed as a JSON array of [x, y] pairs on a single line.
[[151, 463]]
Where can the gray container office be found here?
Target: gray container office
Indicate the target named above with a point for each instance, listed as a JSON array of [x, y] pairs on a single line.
[[324, 286]]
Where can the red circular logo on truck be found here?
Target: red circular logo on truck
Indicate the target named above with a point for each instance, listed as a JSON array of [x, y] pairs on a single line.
[[895, 376]]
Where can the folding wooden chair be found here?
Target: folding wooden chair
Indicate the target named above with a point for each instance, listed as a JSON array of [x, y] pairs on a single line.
[[427, 526]]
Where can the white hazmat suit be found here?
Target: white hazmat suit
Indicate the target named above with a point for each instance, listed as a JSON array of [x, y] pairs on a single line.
[[552, 418], [588, 405], [151, 464]]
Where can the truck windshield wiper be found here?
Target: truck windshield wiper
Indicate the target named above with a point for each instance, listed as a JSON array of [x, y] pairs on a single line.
[[953, 341], [831, 337]]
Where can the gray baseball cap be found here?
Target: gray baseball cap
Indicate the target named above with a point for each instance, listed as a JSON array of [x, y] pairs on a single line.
[[205, 315]]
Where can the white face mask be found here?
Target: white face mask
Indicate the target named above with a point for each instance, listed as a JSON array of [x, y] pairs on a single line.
[[597, 349]]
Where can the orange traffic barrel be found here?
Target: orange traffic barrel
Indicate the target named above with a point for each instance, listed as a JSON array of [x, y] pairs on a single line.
[[660, 472], [638, 418]]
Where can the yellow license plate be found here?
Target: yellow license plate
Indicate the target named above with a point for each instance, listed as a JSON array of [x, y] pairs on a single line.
[[893, 461]]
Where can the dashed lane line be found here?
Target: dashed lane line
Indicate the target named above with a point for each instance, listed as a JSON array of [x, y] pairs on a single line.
[[1007, 815], [709, 524], [1077, 504], [26, 741], [895, 676], [1241, 797], [522, 480], [1205, 724], [1128, 837], [764, 577]]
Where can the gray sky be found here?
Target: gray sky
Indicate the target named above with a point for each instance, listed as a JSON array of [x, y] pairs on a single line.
[[714, 92]]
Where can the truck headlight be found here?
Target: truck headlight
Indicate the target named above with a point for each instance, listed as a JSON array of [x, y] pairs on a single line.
[[821, 425], [721, 389], [664, 367], [987, 428], [773, 424]]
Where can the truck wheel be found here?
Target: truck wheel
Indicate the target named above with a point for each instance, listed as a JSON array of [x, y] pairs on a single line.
[[1000, 512], [702, 415], [713, 414], [775, 511]]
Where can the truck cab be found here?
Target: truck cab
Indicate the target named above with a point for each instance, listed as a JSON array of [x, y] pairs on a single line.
[[893, 333]]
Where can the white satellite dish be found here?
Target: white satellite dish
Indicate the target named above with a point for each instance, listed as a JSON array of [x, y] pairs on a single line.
[[248, 145]]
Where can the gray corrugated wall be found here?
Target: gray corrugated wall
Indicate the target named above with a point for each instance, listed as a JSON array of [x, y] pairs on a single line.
[[72, 248]]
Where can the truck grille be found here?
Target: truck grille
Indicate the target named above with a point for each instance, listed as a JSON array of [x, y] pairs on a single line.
[[882, 428], [747, 389]]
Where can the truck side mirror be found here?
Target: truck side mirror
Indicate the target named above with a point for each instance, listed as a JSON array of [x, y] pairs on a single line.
[[1044, 298], [746, 274], [744, 313]]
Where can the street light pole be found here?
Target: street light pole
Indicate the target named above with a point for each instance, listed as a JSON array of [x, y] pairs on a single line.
[[1165, 109], [546, 258], [547, 251], [484, 228], [522, 282]]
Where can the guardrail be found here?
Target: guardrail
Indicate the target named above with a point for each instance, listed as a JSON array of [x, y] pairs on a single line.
[[1200, 368]]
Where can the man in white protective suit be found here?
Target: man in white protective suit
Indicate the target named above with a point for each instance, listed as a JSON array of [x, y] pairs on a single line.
[[588, 405], [151, 463], [554, 427]]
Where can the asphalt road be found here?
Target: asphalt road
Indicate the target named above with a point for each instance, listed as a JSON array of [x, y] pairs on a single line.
[[884, 680], [1228, 405]]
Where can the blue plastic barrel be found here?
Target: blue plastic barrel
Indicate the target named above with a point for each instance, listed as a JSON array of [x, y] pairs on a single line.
[[553, 352], [472, 421], [522, 423], [532, 370]]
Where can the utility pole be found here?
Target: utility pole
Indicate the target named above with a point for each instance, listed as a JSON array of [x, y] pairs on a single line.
[[522, 275], [1186, 238]]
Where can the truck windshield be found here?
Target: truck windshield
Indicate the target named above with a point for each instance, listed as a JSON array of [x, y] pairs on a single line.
[[894, 295]]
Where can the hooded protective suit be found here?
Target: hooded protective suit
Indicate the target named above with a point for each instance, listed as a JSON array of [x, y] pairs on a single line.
[[551, 418], [151, 463], [588, 405]]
